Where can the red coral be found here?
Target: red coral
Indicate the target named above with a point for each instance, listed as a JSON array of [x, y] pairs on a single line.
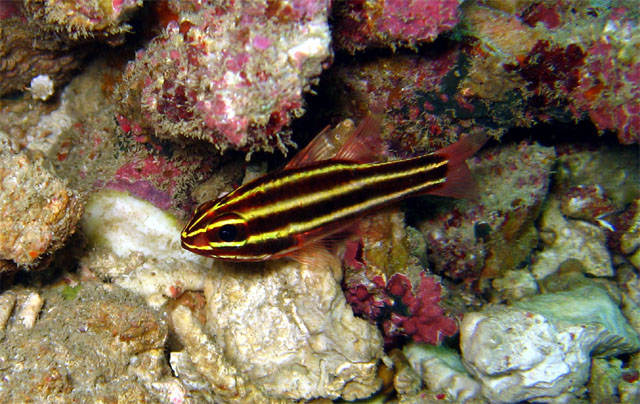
[[401, 309], [609, 91], [550, 71]]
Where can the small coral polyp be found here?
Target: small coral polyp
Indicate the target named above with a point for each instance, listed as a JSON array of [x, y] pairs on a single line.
[[232, 76]]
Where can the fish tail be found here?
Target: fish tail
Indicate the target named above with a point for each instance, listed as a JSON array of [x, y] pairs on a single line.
[[459, 183]]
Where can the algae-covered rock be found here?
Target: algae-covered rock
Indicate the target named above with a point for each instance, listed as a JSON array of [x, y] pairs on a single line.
[[606, 374], [539, 349], [38, 212], [587, 307]]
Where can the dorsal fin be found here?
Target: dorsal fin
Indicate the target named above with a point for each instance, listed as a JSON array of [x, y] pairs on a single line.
[[344, 142], [364, 144], [320, 148]]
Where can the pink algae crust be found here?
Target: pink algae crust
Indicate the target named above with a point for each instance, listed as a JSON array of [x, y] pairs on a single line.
[[233, 76], [401, 309], [364, 23], [152, 179], [609, 89]]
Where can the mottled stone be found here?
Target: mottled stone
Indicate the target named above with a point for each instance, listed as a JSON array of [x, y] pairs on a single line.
[[38, 212], [540, 348], [566, 239], [101, 344], [281, 322]]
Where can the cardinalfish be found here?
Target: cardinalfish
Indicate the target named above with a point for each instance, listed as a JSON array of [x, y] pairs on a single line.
[[321, 192]]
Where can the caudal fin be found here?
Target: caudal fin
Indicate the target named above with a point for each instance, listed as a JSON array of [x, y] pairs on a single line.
[[459, 182]]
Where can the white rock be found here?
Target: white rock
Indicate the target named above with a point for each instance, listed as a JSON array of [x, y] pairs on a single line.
[[124, 224], [7, 303], [442, 371], [29, 310], [289, 329], [541, 350]]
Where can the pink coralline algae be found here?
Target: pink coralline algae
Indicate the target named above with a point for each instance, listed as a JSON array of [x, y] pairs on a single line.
[[424, 111], [609, 88], [401, 309], [363, 23], [231, 74], [153, 178]]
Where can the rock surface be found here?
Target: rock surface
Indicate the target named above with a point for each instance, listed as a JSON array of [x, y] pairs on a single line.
[[540, 348]]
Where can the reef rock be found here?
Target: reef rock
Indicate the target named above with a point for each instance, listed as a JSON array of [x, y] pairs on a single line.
[[92, 343], [287, 327], [229, 73], [539, 349], [442, 371], [39, 37], [567, 239], [37, 210]]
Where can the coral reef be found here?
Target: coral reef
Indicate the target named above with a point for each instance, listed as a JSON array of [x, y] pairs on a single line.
[[38, 212], [541, 280], [271, 53], [361, 24], [522, 352]]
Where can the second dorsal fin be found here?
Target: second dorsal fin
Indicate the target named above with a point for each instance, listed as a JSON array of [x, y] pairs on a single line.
[[344, 142], [364, 144]]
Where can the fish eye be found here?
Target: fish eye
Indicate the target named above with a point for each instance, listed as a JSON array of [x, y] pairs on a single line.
[[228, 228], [228, 233]]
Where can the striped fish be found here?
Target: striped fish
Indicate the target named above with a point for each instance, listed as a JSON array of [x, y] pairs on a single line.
[[322, 192]]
